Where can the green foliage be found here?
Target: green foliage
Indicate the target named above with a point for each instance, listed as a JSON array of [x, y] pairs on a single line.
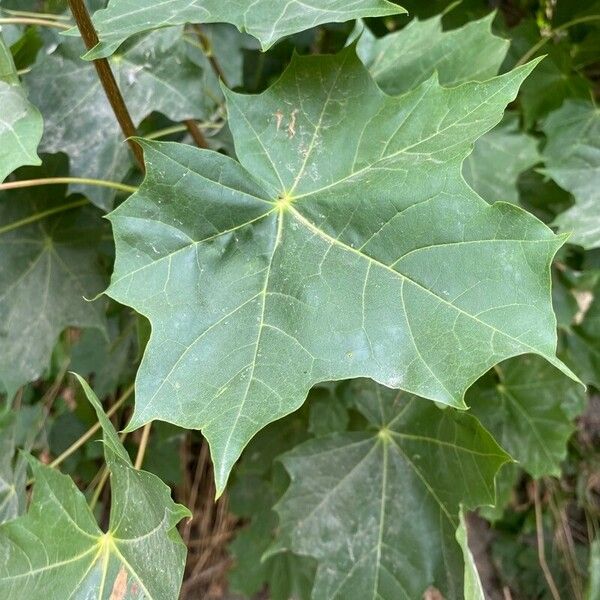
[[49, 267], [572, 160], [358, 502], [267, 314], [58, 551], [400, 61], [267, 20], [21, 125], [529, 407], [356, 315]]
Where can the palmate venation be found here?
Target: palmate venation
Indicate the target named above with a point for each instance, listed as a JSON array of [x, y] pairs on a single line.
[[345, 243]]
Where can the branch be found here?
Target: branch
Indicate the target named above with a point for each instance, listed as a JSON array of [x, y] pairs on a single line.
[[107, 78], [196, 134], [541, 544]]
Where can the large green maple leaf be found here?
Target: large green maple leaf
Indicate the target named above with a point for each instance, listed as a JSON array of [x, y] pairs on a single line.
[[572, 157], [345, 244], [20, 122], [57, 550], [379, 508], [267, 20]]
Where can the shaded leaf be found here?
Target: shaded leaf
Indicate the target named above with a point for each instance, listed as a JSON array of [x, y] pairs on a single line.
[[402, 60], [497, 160], [20, 123], [154, 73], [49, 267], [341, 253], [379, 508], [267, 20], [58, 551], [110, 360], [530, 411], [258, 484], [553, 81], [572, 157], [582, 343]]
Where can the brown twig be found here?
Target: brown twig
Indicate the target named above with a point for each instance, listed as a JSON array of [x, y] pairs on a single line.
[[196, 133], [193, 497], [214, 63], [539, 526], [107, 78]]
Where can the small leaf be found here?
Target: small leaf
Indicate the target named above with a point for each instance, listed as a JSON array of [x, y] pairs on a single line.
[[379, 509], [58, 551], [267, 20], [572, 157], [21, 124], [49, 267], [331, 252], [530, 412], [402, 60]]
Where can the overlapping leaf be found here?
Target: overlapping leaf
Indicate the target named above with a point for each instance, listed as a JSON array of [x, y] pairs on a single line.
[[572, 157], [401, 61], [267, 20], [259, 482], [497, 160], [330, 252], [530, 411], [49, 267], [58, 551], [379, 509], [154, 73], [20, 122], [554, 81]]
